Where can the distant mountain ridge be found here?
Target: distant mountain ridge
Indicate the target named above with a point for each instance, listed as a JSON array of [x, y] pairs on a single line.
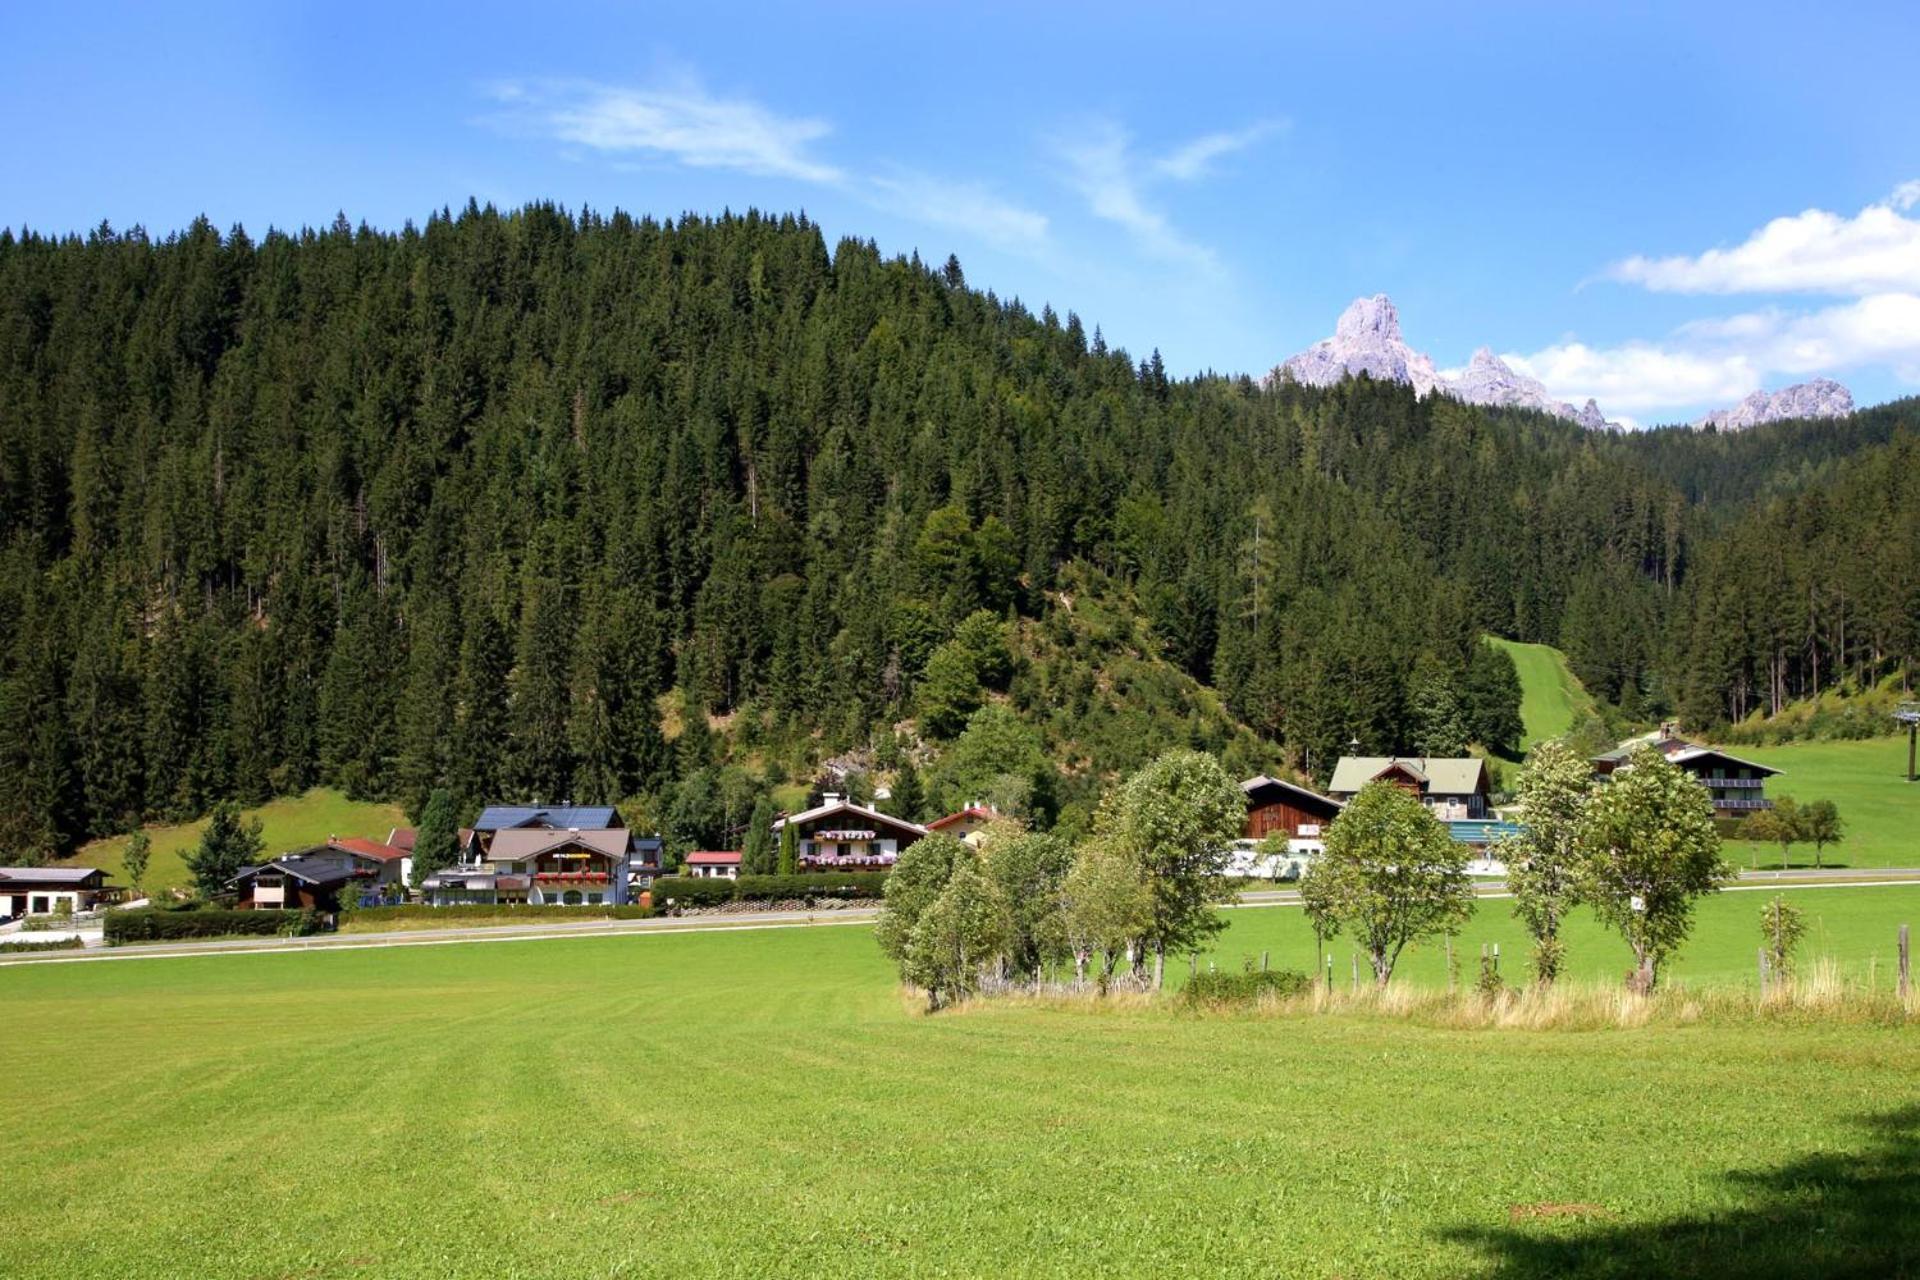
[[1367, 340], [1819, 398]]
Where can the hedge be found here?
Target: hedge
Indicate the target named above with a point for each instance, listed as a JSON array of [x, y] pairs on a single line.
[[493, 911], [146, 924], [700, 891], [43, 944], [1222, 987]]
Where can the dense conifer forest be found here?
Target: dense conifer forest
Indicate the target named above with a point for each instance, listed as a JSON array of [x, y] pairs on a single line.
[[539, 505]]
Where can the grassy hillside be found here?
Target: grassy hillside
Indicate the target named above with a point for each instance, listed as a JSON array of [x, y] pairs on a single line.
[[802, 1120], [286, 823], [1866, 778], [1552, 698]]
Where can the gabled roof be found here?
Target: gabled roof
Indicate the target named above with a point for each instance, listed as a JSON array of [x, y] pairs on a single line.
[[847, 806], [402, 838], [366, 848], [1261, 784], [503, 817], [521, 843], [714, 858], [48, 875], [312, 868], [1443, 775], [983, 812], [1691, 755]]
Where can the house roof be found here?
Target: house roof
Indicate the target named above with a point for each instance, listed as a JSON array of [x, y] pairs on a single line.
[[847, 806], [1692, 754], [983, 812], [502, 817], [1260, 783], [1443, 775], [48, 875], [521, 843], [1678, 750], [313, 868], [402, 838], [714, 858], [366, 848]]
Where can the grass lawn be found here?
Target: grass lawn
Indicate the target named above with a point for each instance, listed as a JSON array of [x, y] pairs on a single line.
[[1866, 778], [767, 1104], [1551, 697], [1856, 927], [287, 823]]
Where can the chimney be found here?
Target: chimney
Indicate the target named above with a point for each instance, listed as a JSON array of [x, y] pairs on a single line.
[[829, 797]]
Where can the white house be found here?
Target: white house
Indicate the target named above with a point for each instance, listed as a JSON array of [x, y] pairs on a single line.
[[44, 891]]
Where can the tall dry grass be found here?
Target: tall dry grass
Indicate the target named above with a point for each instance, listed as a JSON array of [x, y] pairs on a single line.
[[1818, 993]]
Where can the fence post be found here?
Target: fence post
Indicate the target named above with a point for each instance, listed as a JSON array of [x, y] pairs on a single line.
[[1329, 972], [1193, 963], [1763, 973], [1906, 963], [1355, 956], [1263, 962]]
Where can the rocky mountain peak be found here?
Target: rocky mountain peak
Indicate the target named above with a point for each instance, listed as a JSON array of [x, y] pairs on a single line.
[[1372, 320], [1817, 398]]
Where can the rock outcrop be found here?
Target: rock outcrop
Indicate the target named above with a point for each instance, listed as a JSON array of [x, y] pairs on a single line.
[[1820, 398], [1367, 340]]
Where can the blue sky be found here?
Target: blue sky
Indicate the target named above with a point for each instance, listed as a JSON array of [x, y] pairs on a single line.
[[1592, 189]]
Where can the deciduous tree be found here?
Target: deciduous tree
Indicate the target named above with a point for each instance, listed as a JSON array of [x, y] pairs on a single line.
[[1390, 875], [1649, 852]]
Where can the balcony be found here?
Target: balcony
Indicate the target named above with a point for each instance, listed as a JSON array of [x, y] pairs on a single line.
[[1730, 803], [1708, 780]]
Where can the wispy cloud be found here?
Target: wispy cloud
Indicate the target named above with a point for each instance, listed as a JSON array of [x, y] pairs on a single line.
[[1816, 251], [1195, 159], [678, 119], [963, 206], [1114, 178]]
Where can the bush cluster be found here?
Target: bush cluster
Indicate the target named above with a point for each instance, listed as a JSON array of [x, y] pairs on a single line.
[[494, 911], [148, 924], [696, 891], [42, 944], [1221, 987]]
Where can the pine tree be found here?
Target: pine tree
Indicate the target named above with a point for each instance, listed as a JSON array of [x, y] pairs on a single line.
[[226, 847]]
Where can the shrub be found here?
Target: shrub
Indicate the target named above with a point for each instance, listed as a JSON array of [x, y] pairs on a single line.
[[467, 911], [146, 924], [42, 944], [845, 885], [692, 891], [1222, 988]]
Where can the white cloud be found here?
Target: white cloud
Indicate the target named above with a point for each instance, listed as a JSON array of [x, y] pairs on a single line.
[[1104, 167], [679, 120], [1195, 159], [1716, 362], [965, 206], [1812, 252], [1638, 377]]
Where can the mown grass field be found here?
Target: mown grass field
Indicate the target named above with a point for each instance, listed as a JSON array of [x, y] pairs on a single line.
[[768, 1104], [1551, 697], [1866, 778], [1856, 927], [286, 823]]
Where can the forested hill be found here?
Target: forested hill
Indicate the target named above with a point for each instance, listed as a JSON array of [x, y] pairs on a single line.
[[464, 503]]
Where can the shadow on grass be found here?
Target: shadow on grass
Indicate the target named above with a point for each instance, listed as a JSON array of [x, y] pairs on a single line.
[[1822, 1217]]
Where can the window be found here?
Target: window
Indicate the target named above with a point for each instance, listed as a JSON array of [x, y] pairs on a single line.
[[593, 899], [571, 897]]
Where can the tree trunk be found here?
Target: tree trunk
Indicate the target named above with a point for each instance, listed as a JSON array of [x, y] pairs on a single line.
[[1382, 969], [1159, 965]]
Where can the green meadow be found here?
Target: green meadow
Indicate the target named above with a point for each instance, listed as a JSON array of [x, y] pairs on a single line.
[[1866, 778], [768, 1103], [1857, 928], [287, 823], [1551, 696]]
